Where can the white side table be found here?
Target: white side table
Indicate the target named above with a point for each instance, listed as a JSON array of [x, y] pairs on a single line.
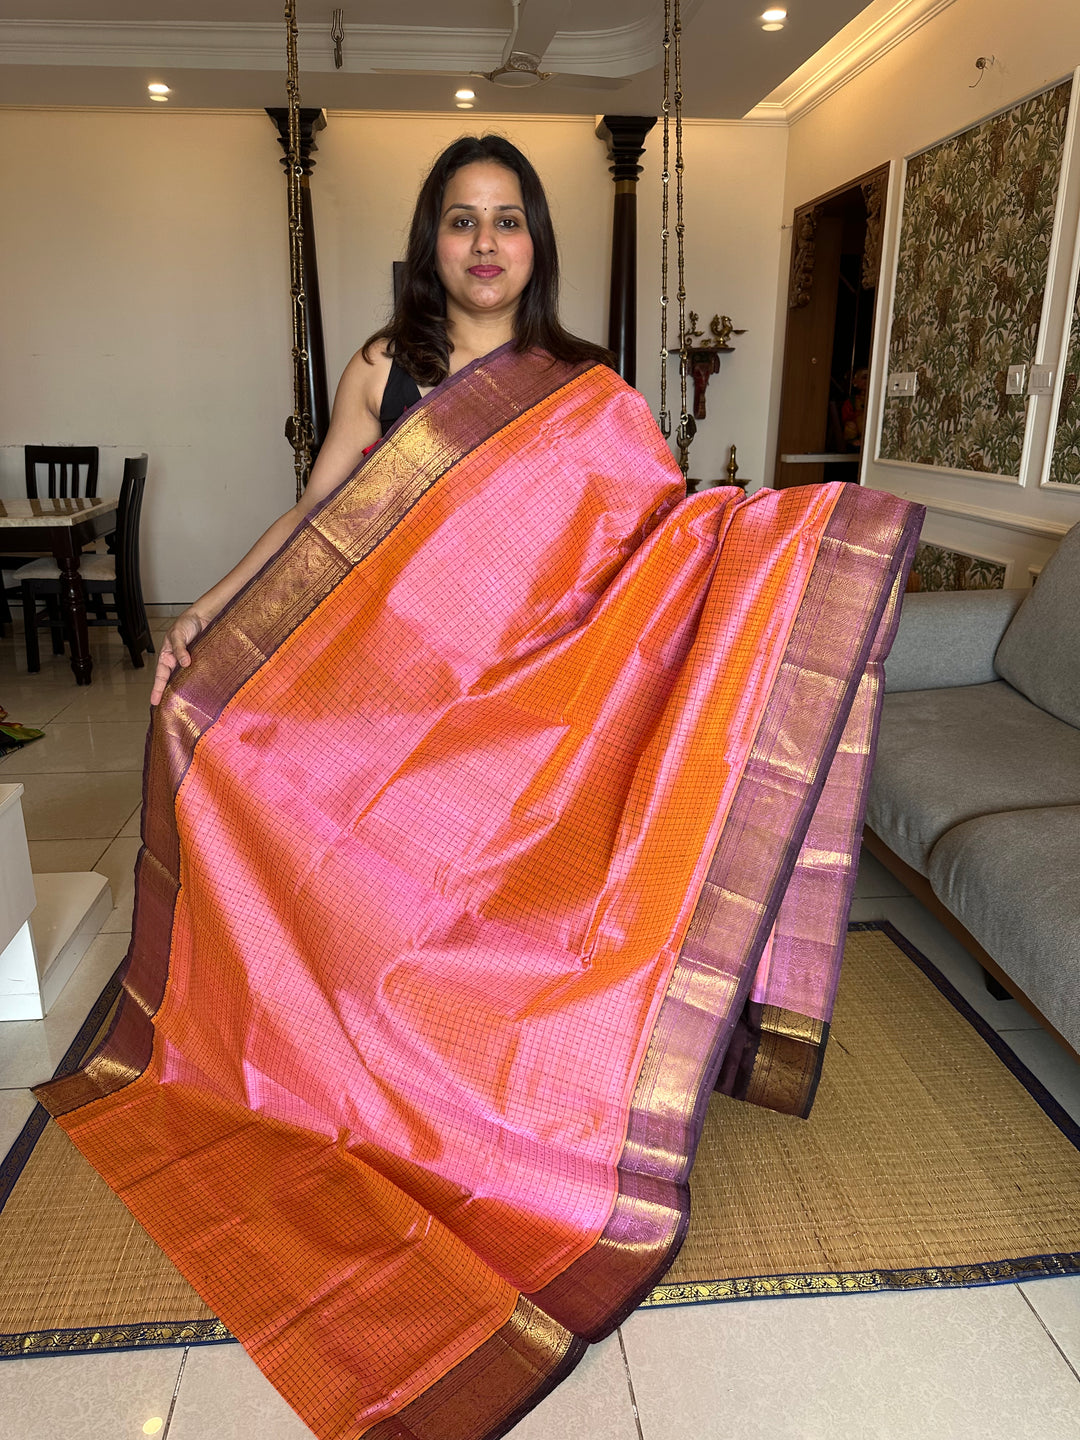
[[46, 921]]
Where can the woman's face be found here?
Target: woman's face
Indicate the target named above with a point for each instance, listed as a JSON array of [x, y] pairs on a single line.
[[484, 254]]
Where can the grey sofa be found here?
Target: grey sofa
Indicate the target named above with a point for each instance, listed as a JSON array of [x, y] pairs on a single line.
[[975, 796]]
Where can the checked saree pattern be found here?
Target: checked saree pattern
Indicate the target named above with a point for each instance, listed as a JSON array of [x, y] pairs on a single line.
[[509, 810]]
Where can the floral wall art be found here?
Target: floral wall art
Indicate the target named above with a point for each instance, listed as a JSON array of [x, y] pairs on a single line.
[[937, 568], [975, 240]]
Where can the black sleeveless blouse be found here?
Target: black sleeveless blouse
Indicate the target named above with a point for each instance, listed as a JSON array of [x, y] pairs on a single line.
[[400, 394]]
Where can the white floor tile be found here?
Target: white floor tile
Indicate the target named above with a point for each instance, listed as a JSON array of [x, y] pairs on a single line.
[[30, 1050], [1057, 1304], [117, 864], [133, 824], [78, 807], [593, 1401], [83, 745], [16, 1107], [1051, 1063], [225, 1396], [29, 701], [88, 1397], [930, 1365], [50, 857]]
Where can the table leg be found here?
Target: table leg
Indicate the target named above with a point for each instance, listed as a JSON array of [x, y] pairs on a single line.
[[74, 600]]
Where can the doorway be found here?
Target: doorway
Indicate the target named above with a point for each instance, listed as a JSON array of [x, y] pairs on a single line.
[[835, 267]]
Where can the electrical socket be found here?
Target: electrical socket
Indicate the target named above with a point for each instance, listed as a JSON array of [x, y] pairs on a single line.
[[1014, 380], [1041, 380]]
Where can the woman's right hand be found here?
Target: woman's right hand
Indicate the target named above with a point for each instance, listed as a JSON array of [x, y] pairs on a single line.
[[174, 650]]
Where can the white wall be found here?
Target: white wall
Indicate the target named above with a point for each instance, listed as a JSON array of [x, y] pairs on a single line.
[[913, 96], [144, 294], [734, 186], [145, 291]]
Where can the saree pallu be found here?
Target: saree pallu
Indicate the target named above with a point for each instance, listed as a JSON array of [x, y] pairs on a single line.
[[509, 810]]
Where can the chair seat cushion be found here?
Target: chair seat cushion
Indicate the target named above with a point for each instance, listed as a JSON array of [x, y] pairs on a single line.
[[101, 568], [946, 756], [1013, 880]]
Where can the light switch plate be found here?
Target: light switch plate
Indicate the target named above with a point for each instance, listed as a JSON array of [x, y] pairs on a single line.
[[1014, 380], [1041, 380], [903, 382]]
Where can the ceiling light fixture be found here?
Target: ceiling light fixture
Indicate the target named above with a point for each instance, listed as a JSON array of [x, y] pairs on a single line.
[[465, 105], [776, 14], [156, 88], [464, 94]]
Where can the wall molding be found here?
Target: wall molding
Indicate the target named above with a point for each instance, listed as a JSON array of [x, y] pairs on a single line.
[[835, 70], [1028, 524]]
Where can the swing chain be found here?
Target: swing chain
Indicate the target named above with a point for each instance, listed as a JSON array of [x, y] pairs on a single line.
[[300, 430], [673, 62], [665, 413]]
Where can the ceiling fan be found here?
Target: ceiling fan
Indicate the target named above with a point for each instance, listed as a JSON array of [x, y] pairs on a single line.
[[535, 25]]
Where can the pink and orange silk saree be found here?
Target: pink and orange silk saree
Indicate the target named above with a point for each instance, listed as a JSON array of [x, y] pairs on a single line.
[[508, 811]]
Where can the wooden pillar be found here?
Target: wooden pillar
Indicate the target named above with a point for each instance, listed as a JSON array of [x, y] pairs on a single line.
[[311, 122], [624, 136]]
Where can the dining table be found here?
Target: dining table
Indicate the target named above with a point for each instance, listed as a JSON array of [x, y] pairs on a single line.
[[62, 526]]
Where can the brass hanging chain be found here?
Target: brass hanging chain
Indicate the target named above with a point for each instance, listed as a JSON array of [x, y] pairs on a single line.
[[665, 178], [687, 424], [300, 430]]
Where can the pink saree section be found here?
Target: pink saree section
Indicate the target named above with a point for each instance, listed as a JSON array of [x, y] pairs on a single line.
[[512, 806]]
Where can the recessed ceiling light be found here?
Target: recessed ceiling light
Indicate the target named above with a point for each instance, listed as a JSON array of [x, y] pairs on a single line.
[[156, 88], [464, 94], [465, 105], [775, 14], [773, 25], [161, 99]]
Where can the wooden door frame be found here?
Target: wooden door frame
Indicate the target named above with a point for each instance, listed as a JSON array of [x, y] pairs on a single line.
[[801, 274]]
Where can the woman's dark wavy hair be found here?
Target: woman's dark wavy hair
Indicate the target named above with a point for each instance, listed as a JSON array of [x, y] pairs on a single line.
[[416, 335]]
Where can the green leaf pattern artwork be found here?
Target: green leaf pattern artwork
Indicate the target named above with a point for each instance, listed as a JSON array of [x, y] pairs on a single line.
[[974, 246], [936, 568]]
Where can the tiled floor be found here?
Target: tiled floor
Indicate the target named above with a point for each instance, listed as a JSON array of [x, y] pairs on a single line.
[[1001, 1363]]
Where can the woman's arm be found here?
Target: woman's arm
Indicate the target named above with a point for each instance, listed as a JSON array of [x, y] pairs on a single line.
[[354, 425]]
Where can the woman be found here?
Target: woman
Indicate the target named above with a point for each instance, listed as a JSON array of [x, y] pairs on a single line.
[[489, 825], [481, 270]]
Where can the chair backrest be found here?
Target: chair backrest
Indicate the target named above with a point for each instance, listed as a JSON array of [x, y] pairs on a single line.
[[129, 596], [72, 470]]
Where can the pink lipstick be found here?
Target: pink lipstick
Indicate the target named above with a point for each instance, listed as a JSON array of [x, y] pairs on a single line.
[[485, 272]]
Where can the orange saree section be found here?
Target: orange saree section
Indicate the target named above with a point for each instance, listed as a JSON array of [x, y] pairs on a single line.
[[432, 854]]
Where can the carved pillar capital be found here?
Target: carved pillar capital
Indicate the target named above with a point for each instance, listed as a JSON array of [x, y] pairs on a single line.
[[311, 122], [624, 136]]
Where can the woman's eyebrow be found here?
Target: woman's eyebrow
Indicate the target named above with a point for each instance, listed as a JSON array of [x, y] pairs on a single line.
[[460, 205]]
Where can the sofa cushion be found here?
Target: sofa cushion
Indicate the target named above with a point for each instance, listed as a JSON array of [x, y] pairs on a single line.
[[945, 756], [949, 637], [1013, 881], [1039, 654]]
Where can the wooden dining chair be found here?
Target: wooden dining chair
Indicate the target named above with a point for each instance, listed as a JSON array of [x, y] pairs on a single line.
[[53, 472], [64, 470], [115, 580]]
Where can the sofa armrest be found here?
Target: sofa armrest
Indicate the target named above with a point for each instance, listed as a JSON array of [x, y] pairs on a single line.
[[948, 637]]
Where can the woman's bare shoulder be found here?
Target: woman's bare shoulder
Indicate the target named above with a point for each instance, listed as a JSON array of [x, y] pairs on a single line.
[[364, 378]]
